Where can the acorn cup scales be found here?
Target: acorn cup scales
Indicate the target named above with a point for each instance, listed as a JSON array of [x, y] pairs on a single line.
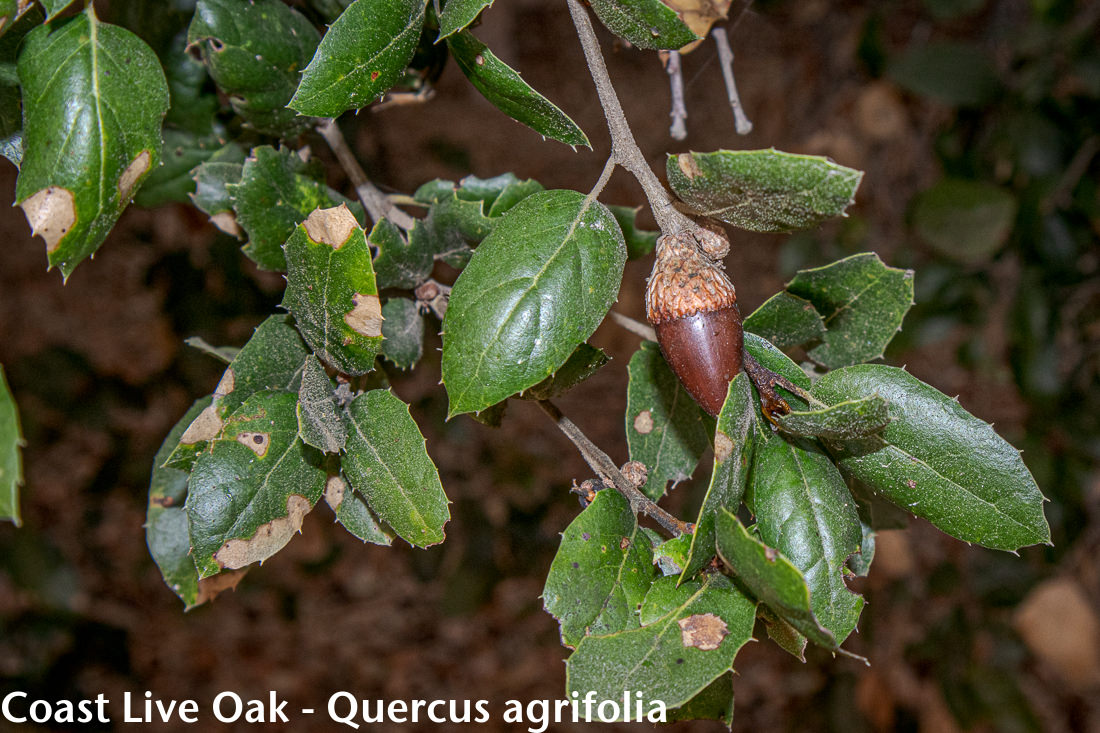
[[693, 308]]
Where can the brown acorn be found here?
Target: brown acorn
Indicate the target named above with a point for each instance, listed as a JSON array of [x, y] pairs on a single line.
[[693, 308]]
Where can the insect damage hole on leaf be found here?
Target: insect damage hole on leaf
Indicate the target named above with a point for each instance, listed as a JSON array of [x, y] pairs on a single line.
[[268, 539], [137, 168], [331, 226], [704, 631], [51, 213]]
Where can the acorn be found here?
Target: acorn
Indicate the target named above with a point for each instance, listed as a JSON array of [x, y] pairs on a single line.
[[693, 308]]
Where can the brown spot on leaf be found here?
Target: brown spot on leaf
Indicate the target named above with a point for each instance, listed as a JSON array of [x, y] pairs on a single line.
[[911, 484], [226, 221], [51, 213], [163, 501], [688, 166], [258, 443], [226, 384], [210, 587], [334, 491], [331, 226], [703, 631], [624, 543], [204, 427], [643, 423], [771, 554], [268, 539], [723, 446], [374, 75], [366, 317], [133, 172]]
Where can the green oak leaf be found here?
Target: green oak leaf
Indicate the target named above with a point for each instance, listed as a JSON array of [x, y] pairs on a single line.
[[352, 512], [402, 332], [255, 52], [166, 531], [451, 226], [646, 24], [330, 290], [763, 190], [601, 572], [735, 441], [715, 702], [938, 461], [458, 14], [17, 19], [173, 181], [277, 191], [512, 194], [639, 242], [964, 220], [400, 264], [863, 302], [582, 363], [843, 421], [665, 428], [770, 577], [53, 7], [251, 489], [501, 85], [536, 288], [320, 423], [212, 196], [772, 358], [804, 510], [192, 107], [361, 56], [786, 320], [689, 637], [11, 460], [385, 460], [94, 97]]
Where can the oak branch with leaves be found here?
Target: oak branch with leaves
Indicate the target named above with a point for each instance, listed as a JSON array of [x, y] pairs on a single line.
[[802, 453]]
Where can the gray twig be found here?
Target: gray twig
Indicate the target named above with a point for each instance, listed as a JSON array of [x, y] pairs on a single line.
[[725, 60], [678, 112]]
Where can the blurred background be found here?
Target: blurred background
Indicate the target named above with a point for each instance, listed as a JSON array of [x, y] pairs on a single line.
[[978, 125]]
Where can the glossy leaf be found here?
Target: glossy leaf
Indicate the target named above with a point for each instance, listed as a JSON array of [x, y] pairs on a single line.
[[645, 23], [536, 288], [964, 220], [770, 577], [452, 225], [11, 460], [173, 181], [166, 519], [863, 302], [763, 190], [804, 510], [251, 489], [331, 292], [662, 658], [458, 14], [352, 512], [938, 461], [509, 93], [361, 56], [53, 7], [639, 242], [387, 462], [601, 573], [192, 107], [320, 423], [512, 194], [212, 196], [772, 358], [402, 332], [735, 440], [255, 52], [843, 421], [94, 97], [582, 363], [276, 193], [786, 320]]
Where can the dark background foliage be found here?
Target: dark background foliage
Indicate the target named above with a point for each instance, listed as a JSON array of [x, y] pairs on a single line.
[[1001, 93]]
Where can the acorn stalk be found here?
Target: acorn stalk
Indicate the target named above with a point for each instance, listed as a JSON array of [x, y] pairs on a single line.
[[693, 308]]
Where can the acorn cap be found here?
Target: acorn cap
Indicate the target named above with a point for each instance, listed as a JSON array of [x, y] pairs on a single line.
[[685, 281]]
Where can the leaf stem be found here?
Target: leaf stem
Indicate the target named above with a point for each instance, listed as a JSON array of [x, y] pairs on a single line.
[[624, 149], [376, 203], [606, 469]]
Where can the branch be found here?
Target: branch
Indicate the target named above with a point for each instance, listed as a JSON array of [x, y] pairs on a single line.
[[606, 469], [635, 327], [678, 113], [725, 60], [376, 203], [624, 149]]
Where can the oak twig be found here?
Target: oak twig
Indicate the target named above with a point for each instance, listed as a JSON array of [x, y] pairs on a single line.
[[376, 203], [606, 469], [725, 60], [634, 326], [624, 149], [678, 111]]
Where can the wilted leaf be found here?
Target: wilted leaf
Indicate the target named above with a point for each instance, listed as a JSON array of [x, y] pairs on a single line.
[[536, 287], [601, 573], [387, 462], [763, 190], [509, 93], [94, 97]]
